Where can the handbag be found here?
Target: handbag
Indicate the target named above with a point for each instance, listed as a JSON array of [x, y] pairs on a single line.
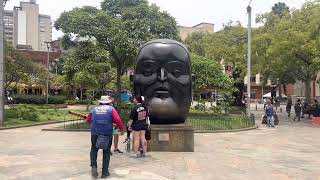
[[103, 142], [148, 130]]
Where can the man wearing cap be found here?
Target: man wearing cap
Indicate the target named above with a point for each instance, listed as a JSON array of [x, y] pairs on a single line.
[[101, 120]]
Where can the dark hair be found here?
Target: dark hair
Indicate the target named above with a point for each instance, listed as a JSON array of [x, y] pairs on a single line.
[[138, 98]]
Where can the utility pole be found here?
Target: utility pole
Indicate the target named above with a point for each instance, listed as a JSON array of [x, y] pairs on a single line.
[[2, 62], [1, 65], [48, 73], [249, 61]]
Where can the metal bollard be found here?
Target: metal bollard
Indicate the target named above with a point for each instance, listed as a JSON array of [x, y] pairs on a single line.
[[280, 109], [256, 107]]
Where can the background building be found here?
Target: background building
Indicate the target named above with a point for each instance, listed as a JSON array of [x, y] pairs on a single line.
[[202, 27], [25, 27]]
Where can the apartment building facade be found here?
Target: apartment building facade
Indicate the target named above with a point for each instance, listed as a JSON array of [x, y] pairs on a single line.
[[25, 27]]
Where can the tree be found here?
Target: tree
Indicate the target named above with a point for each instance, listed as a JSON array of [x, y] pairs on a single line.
[[228, 46], [87, 66], [209, 75], [121, 27], [22, 70], [293, 49], [196, 43], [280, 9]]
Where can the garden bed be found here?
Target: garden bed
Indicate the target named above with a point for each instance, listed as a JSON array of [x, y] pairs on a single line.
[[34, 114]]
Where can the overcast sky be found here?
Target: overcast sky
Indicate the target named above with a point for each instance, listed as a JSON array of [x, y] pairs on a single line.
[[186, 12]]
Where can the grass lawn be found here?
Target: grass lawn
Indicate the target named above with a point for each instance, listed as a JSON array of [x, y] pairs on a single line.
[[32, 114], [219, 122]]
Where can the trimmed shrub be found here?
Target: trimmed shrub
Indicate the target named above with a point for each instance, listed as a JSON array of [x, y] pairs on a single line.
[[57, 99], [23, 113], [31, 99]]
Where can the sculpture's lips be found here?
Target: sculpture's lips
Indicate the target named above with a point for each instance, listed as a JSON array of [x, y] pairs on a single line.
[[161, 93]]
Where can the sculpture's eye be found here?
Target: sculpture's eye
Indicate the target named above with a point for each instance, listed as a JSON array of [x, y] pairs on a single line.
[[147, 72], [176, 73]]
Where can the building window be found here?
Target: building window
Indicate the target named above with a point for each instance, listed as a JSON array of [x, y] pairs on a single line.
[[253, 94]]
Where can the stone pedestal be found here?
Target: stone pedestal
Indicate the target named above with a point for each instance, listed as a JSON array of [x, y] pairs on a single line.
[[172, 138]]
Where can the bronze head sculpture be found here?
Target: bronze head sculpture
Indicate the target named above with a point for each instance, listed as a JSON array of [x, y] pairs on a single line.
[[163, 77]]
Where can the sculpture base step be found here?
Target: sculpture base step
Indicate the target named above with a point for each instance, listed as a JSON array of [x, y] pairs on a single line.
[[172, 138]]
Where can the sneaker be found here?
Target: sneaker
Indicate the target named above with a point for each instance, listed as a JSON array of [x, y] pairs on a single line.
[[94, 172], [143, 155], [117, 151], [104, 175], [134, 155]]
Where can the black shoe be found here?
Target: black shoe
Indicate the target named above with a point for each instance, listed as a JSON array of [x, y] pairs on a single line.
[[117, 151], [104, 175], [94, 172]]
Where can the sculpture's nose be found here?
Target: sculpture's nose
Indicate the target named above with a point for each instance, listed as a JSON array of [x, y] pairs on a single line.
[[162, 76]]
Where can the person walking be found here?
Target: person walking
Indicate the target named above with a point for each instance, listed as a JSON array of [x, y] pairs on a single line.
[[270, 114], [137, 123], [116, 133], [101, 120], [288, 106], [297, 110]]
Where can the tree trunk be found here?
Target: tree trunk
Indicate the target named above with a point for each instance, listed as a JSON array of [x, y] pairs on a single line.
[[285, 89], [81, 96], [308, 90], [280, 92], [118, 86]]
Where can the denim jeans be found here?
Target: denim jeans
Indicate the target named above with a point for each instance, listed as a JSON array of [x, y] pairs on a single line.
[[298, 115], [94, 154], [270, 121]]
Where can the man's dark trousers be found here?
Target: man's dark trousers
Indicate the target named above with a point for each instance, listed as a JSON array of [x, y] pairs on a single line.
[[94, 154]]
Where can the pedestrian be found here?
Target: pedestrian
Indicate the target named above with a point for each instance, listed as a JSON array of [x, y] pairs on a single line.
[[297, 110], [116, 133], [288, 106], [316, 111], [270, 114], [101, 120], [305, 108], [137, 122]]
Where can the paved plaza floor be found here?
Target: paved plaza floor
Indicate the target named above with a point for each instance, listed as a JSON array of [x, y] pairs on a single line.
[[289, 151]]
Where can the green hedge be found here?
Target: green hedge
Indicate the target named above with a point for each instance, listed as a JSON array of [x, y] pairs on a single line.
[[31, 99], [74, 102], [22, 113]]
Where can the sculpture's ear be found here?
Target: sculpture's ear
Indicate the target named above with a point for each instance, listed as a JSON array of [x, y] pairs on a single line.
[[131, 77], [193, 77]]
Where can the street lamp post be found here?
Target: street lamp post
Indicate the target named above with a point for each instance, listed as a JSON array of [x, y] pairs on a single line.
[[2, 62], [249, 60], [47, 80]]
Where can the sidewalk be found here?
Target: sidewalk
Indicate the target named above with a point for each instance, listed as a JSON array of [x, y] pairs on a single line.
[[285, 152]]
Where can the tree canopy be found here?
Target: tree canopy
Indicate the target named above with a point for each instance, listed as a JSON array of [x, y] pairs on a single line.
[[208, 75], [291, 50], [86, 66], [285, 47], [120, 27]]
